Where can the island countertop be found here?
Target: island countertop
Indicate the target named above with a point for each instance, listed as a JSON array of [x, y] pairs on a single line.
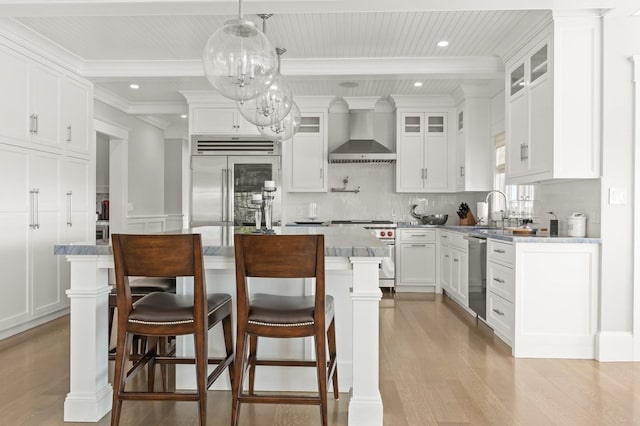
[[218, 241]]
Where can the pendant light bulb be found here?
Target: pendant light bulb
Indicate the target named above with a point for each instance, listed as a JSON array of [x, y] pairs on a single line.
[[284, 129]]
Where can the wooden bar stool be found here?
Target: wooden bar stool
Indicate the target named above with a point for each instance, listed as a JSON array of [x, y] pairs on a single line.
[[267, 315], [162, 314]]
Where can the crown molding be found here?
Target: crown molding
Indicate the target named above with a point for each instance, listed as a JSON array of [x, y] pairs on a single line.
[[148, 68], [139, 108], [431, 101], [111, 99], [311, 102], [37, 47], [154, 121]]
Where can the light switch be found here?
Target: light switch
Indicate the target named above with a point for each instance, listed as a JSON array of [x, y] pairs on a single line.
[[617, 196]]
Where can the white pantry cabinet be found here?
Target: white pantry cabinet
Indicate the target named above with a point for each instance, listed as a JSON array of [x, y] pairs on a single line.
[[308, 154], [416, 260], [552, 103], [44, 184], [220, 121], [422, 152]]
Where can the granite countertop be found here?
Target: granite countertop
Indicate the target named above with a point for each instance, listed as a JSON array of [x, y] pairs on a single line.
[[218, 241], [506, 235]]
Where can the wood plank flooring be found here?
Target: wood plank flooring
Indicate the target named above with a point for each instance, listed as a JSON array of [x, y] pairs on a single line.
[[437, 367]]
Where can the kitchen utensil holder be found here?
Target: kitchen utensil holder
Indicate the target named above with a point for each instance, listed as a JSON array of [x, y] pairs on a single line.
[[468, 220]]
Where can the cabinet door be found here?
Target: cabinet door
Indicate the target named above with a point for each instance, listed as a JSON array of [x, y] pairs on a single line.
[[74, 119], [517, 143], [214, 121], [13, 96], [541, 126], [436, 162], [445, 268], [417, 264], [460, 276], [76, 221], [44, 172], [460, 160], [14, 227], [243, 127], [308, 157], [44, 105]]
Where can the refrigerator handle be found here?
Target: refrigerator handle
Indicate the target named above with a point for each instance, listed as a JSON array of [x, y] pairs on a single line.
[[230, 197], [224, 194]]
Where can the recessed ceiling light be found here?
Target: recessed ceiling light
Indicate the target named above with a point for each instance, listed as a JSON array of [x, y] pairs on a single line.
[[417, 84], [443, 43], [134, 86], [183, 115], [348, 84]]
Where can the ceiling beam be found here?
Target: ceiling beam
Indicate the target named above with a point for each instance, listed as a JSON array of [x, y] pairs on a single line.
[[441, 67], [230, 7]]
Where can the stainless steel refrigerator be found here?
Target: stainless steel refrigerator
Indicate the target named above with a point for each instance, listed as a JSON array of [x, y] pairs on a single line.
[[222, 187]]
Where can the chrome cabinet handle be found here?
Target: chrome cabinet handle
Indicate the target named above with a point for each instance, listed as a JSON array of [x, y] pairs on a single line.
[[224, 194], [418, 245], [321, 173], [499, 312], [36, 121], [35, 207], [499, 251], [422, 173], [69, 133], [230, 201], [426, 174], [446, 255], [32, 123], [456, 260], [461, 170], [498, 280], [69, 208]]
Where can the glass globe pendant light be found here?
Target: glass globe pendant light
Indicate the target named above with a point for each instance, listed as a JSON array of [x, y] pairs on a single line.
[[239, 61], [284, 129], [271, 106]]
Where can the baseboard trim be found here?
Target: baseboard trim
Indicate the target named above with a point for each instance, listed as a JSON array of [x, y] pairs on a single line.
[[614, 346]]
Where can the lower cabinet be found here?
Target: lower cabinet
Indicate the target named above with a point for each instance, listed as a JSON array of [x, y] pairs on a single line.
[[454, 266], [500, 289], [416, 260]]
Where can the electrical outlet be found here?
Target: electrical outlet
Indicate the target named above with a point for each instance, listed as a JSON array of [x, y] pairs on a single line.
[[594, 217]]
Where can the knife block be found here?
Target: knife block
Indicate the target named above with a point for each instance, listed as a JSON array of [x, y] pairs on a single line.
[[468, 220]]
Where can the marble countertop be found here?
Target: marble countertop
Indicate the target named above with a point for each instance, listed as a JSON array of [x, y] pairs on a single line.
[[218, 241], [506, 235]]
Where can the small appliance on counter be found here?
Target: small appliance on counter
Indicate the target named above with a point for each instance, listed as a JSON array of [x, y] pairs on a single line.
[[577, 225], [104, 214]]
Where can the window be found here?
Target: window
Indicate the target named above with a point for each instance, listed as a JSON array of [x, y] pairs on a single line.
[[499, 174]]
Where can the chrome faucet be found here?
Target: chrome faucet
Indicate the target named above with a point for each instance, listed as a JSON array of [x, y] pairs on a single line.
[[504, 212]]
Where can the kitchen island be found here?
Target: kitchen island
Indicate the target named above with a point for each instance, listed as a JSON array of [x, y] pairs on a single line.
[[352, 255]]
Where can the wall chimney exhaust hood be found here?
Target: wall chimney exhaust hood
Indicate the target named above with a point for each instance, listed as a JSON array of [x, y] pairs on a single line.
[[361, 147]]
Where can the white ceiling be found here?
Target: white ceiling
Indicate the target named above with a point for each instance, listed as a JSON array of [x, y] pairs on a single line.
[[384, 46]]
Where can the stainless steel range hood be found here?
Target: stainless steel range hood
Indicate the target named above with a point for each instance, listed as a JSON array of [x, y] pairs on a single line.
[[361, 147]]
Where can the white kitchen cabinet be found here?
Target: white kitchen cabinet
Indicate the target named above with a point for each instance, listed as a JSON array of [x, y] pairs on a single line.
[[44, 105], [454, 261], [308, 155], [75, 104], [422, 152], [13, 99], [474, 146], [220, 121], [542, 298], [416, 260], [552, 108]]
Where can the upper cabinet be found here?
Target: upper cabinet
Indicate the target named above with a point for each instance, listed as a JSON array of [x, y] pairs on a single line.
[[552, 104], [473, 143], [423, 152], [13, 102], [308, 154], [44, 105], [75, 107], [220, 121]]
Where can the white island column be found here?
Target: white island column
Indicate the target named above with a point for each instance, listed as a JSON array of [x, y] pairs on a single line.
[[90, 393], [365, 405]]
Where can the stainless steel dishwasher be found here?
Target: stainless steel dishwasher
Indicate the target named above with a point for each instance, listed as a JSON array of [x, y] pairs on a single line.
[[477, 276]]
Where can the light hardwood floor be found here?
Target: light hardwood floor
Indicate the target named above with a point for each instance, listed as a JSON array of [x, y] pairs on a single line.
[[437, 367]]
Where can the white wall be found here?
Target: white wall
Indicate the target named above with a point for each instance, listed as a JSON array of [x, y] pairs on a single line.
[[564, 198], [173, 176], [621, 39], [146, 160]]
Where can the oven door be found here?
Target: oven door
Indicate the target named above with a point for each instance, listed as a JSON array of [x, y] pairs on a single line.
[[387, 276]]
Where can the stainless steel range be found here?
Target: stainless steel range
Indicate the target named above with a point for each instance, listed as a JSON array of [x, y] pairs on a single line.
[[385, 231]]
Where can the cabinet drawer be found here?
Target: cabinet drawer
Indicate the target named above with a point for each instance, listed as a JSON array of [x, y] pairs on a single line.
[[499, 251], [500, 316], [454, 239], [417, 236], [500, 280]]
